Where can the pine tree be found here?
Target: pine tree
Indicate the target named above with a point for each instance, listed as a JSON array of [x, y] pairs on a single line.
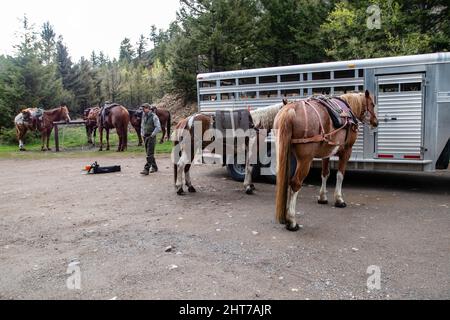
[[48, 43], [126, 51]]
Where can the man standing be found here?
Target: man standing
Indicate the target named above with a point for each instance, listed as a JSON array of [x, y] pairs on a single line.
[[150, 126]]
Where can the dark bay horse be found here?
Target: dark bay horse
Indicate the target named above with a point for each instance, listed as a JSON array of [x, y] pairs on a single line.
[[116, 116], [305, 129], [185, 147], [164, 118], [28, 119], [90, 116]]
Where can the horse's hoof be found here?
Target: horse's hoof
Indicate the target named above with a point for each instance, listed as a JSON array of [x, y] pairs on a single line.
[[249, 190], [23, 149], [191, 189], [293, 229], [340, 205], [180, 192], [322, 201]]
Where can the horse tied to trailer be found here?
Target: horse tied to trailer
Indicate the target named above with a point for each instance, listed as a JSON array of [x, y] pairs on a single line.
[[305, 129]]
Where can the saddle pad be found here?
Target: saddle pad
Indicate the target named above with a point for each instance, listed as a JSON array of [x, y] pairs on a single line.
[[339, 111]]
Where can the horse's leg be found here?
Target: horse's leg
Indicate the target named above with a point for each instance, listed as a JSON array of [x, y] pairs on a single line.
[[43, 132], [20, 136], [303, 167], [107, 140], [163, 130], [120, 134], [248, 185], [344, 156], [180, 168], [49, 132], [89, 134], [138, 132], [100, 129], [323, 199], [95, 135], [187, 177]]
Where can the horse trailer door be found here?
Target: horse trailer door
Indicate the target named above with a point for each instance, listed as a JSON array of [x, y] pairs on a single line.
[[400, 100]]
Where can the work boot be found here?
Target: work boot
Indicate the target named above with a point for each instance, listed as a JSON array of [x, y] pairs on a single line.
[[145, 172]]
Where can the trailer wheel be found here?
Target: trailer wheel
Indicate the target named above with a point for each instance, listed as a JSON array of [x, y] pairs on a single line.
[[444, 158], [237, 172]]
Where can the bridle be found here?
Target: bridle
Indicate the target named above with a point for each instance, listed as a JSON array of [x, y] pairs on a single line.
[[366, 110]]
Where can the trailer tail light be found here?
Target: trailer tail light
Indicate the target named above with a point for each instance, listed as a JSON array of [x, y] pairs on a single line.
[[386, 156], [412, 156]]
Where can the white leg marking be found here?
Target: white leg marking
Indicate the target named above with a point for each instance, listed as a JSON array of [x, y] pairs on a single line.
[[338, 192], [21, 144], [291, 205], [180, 167], [323, 189]]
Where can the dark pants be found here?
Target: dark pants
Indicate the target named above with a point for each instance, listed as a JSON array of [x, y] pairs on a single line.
[[150, 144]]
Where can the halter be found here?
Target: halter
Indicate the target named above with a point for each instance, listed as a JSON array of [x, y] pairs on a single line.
[[367, 110]]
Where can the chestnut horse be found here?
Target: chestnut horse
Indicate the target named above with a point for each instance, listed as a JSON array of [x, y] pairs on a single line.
[[27, 120], [185, 147], [305, 129], [116, 116], [163, 116], [90, 116]]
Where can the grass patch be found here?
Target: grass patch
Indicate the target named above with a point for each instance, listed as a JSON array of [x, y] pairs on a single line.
[[73, 143]]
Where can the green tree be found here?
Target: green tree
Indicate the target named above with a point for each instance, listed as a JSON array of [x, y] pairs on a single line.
[[48, 43], [126, 51]]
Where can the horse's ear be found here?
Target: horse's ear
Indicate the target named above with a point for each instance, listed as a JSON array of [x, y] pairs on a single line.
[[285, 102], [367, 94]]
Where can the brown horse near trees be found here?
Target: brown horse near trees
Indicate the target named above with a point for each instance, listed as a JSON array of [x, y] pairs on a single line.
[[186, 146], [164, 118], [90, 118], [27, 120], [116, 116], [305, 129]]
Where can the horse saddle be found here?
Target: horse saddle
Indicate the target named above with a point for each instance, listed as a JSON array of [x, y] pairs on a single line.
[[105, 110], [339, 111]]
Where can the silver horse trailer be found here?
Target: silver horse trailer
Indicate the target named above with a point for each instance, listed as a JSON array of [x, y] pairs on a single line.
[[412, 94]]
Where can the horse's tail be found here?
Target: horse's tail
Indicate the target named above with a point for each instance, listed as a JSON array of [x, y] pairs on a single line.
[[169, 124], [283, 126]]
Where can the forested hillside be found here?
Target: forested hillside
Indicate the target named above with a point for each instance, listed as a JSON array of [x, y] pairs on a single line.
[[212, 35]]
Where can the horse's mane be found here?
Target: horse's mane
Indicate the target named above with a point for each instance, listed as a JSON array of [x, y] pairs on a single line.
[[355, 101], [53, 111], [263, 118]]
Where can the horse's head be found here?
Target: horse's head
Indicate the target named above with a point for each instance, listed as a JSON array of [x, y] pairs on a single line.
[[363, 106], [369, 110], [86, 113], [26, 115], [65, 113]]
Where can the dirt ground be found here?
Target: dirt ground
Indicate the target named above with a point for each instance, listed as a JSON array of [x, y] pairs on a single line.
[[225, 244]]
